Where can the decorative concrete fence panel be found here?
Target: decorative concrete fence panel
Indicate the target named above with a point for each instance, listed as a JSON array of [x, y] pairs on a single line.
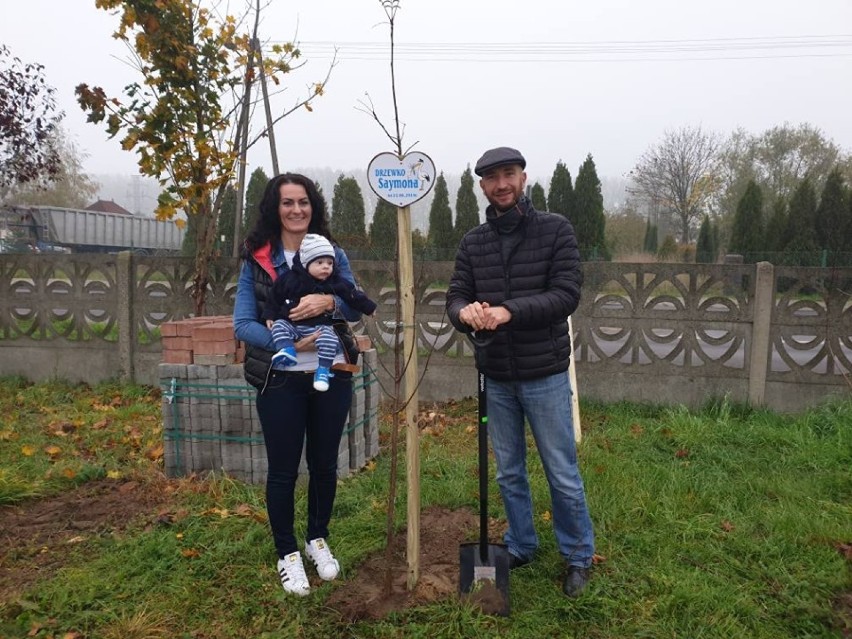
[[663, 333]]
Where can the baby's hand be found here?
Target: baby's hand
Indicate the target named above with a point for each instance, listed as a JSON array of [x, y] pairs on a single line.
[[269, 324]]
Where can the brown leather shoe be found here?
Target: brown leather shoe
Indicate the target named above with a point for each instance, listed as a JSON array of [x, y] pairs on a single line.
[[576, 580]]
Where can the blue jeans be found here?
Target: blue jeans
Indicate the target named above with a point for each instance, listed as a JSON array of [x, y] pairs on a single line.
[[546, 404], [291, 414]]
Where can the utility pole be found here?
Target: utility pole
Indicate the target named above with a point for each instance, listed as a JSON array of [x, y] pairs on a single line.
[[269, 130], [242, 137]]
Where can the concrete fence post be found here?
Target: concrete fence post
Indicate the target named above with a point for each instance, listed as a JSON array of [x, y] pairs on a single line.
[[124, 315], [759, 354]]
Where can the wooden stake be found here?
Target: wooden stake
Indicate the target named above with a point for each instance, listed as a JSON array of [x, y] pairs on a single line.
[[572, 376], [412, 440]]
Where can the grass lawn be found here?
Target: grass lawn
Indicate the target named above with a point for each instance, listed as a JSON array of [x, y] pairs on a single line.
[[722, 523]]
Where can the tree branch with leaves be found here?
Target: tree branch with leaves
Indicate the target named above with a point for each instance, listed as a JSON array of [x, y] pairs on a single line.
[[28, 124], [182, 117]]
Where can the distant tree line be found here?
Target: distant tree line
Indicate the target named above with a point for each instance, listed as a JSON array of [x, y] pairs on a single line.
[[781, 196], [582, 203]]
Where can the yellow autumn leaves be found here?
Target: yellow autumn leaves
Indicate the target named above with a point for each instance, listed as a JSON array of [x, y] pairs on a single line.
[[58, 433]]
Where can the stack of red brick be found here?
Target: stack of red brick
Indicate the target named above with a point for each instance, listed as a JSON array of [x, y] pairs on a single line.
[[201, 340]]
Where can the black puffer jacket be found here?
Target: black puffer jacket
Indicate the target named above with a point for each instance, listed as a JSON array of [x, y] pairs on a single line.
[[539, 284]]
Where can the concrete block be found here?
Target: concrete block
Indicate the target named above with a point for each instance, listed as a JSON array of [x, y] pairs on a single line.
[[167, 371], [357, 449], [212, 360]]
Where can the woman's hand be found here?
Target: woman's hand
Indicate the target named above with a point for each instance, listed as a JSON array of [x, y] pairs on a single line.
[[312, 305]]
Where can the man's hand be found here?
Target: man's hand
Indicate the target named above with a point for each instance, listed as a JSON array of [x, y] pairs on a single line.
[[482, 316], [495, 316], [474, 315], [312, 305]]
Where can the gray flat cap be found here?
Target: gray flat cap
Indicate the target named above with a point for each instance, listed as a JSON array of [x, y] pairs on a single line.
[[500, 156]]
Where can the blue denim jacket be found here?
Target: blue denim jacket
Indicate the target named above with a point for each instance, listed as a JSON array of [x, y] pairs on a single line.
[[248, 327]]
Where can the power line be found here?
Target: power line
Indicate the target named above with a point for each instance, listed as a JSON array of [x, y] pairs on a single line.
[[749, 48]]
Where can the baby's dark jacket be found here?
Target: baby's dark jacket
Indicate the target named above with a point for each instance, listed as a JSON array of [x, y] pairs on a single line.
[[296, 282]]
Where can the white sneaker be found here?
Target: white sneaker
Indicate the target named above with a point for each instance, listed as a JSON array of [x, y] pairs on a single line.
[[293, 577], [318, 552]]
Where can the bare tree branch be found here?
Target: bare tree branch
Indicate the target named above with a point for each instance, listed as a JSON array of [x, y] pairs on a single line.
[[682, 173]]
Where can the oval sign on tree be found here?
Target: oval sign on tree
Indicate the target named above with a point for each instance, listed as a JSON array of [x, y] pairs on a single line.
[[401, 182]]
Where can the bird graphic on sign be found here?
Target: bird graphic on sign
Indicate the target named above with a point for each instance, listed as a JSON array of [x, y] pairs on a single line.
[[416, 171]]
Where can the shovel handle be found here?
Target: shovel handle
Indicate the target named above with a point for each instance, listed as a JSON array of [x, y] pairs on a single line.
[[480, 339], [483, 470]]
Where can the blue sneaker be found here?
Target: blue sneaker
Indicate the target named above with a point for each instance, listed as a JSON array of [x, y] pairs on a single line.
[[321, 378], [287, 355]]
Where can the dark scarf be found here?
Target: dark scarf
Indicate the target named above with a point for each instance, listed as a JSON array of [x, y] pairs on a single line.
[[506, 224]]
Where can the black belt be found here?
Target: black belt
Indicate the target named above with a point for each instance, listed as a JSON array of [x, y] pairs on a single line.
[[276, 372]]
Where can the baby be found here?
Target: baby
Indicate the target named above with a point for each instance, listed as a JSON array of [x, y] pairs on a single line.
[[312, 272]]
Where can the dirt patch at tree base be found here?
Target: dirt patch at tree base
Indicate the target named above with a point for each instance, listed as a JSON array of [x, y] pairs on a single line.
[[35, 535], [367, 594]]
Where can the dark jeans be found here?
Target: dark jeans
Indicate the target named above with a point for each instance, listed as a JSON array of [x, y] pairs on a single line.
[[291, 412]]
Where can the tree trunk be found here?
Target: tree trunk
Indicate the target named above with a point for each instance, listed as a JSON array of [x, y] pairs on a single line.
[[206, 241]]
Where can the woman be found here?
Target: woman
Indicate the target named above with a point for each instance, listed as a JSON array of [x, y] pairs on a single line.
[[291, 412]]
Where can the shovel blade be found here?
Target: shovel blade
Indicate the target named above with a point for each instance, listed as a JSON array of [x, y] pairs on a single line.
[[485, 581]]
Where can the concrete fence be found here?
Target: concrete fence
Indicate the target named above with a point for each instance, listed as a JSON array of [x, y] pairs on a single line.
[[660, 333]]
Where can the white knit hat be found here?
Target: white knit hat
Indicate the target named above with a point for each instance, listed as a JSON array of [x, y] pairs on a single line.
[[314, 246]]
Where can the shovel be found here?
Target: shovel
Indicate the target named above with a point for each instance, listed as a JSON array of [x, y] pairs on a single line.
[[484, 567]]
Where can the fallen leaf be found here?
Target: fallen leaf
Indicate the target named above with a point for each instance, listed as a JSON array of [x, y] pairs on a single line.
[[27, 450], [636, 429], [683, 452], [155, 453], [127, 487], [113, 474], [727, 526], [52, 451], [69, 473], [72, 635], [100, 425], [845, 550], [598, 559], [546, 516], [76, 540], [8, 435], [190, 552], [62, 429]]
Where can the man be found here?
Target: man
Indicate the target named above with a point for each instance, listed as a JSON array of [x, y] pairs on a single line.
[[519, 275]]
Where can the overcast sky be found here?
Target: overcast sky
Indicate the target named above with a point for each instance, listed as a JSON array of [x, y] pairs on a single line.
[[555, 78]]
